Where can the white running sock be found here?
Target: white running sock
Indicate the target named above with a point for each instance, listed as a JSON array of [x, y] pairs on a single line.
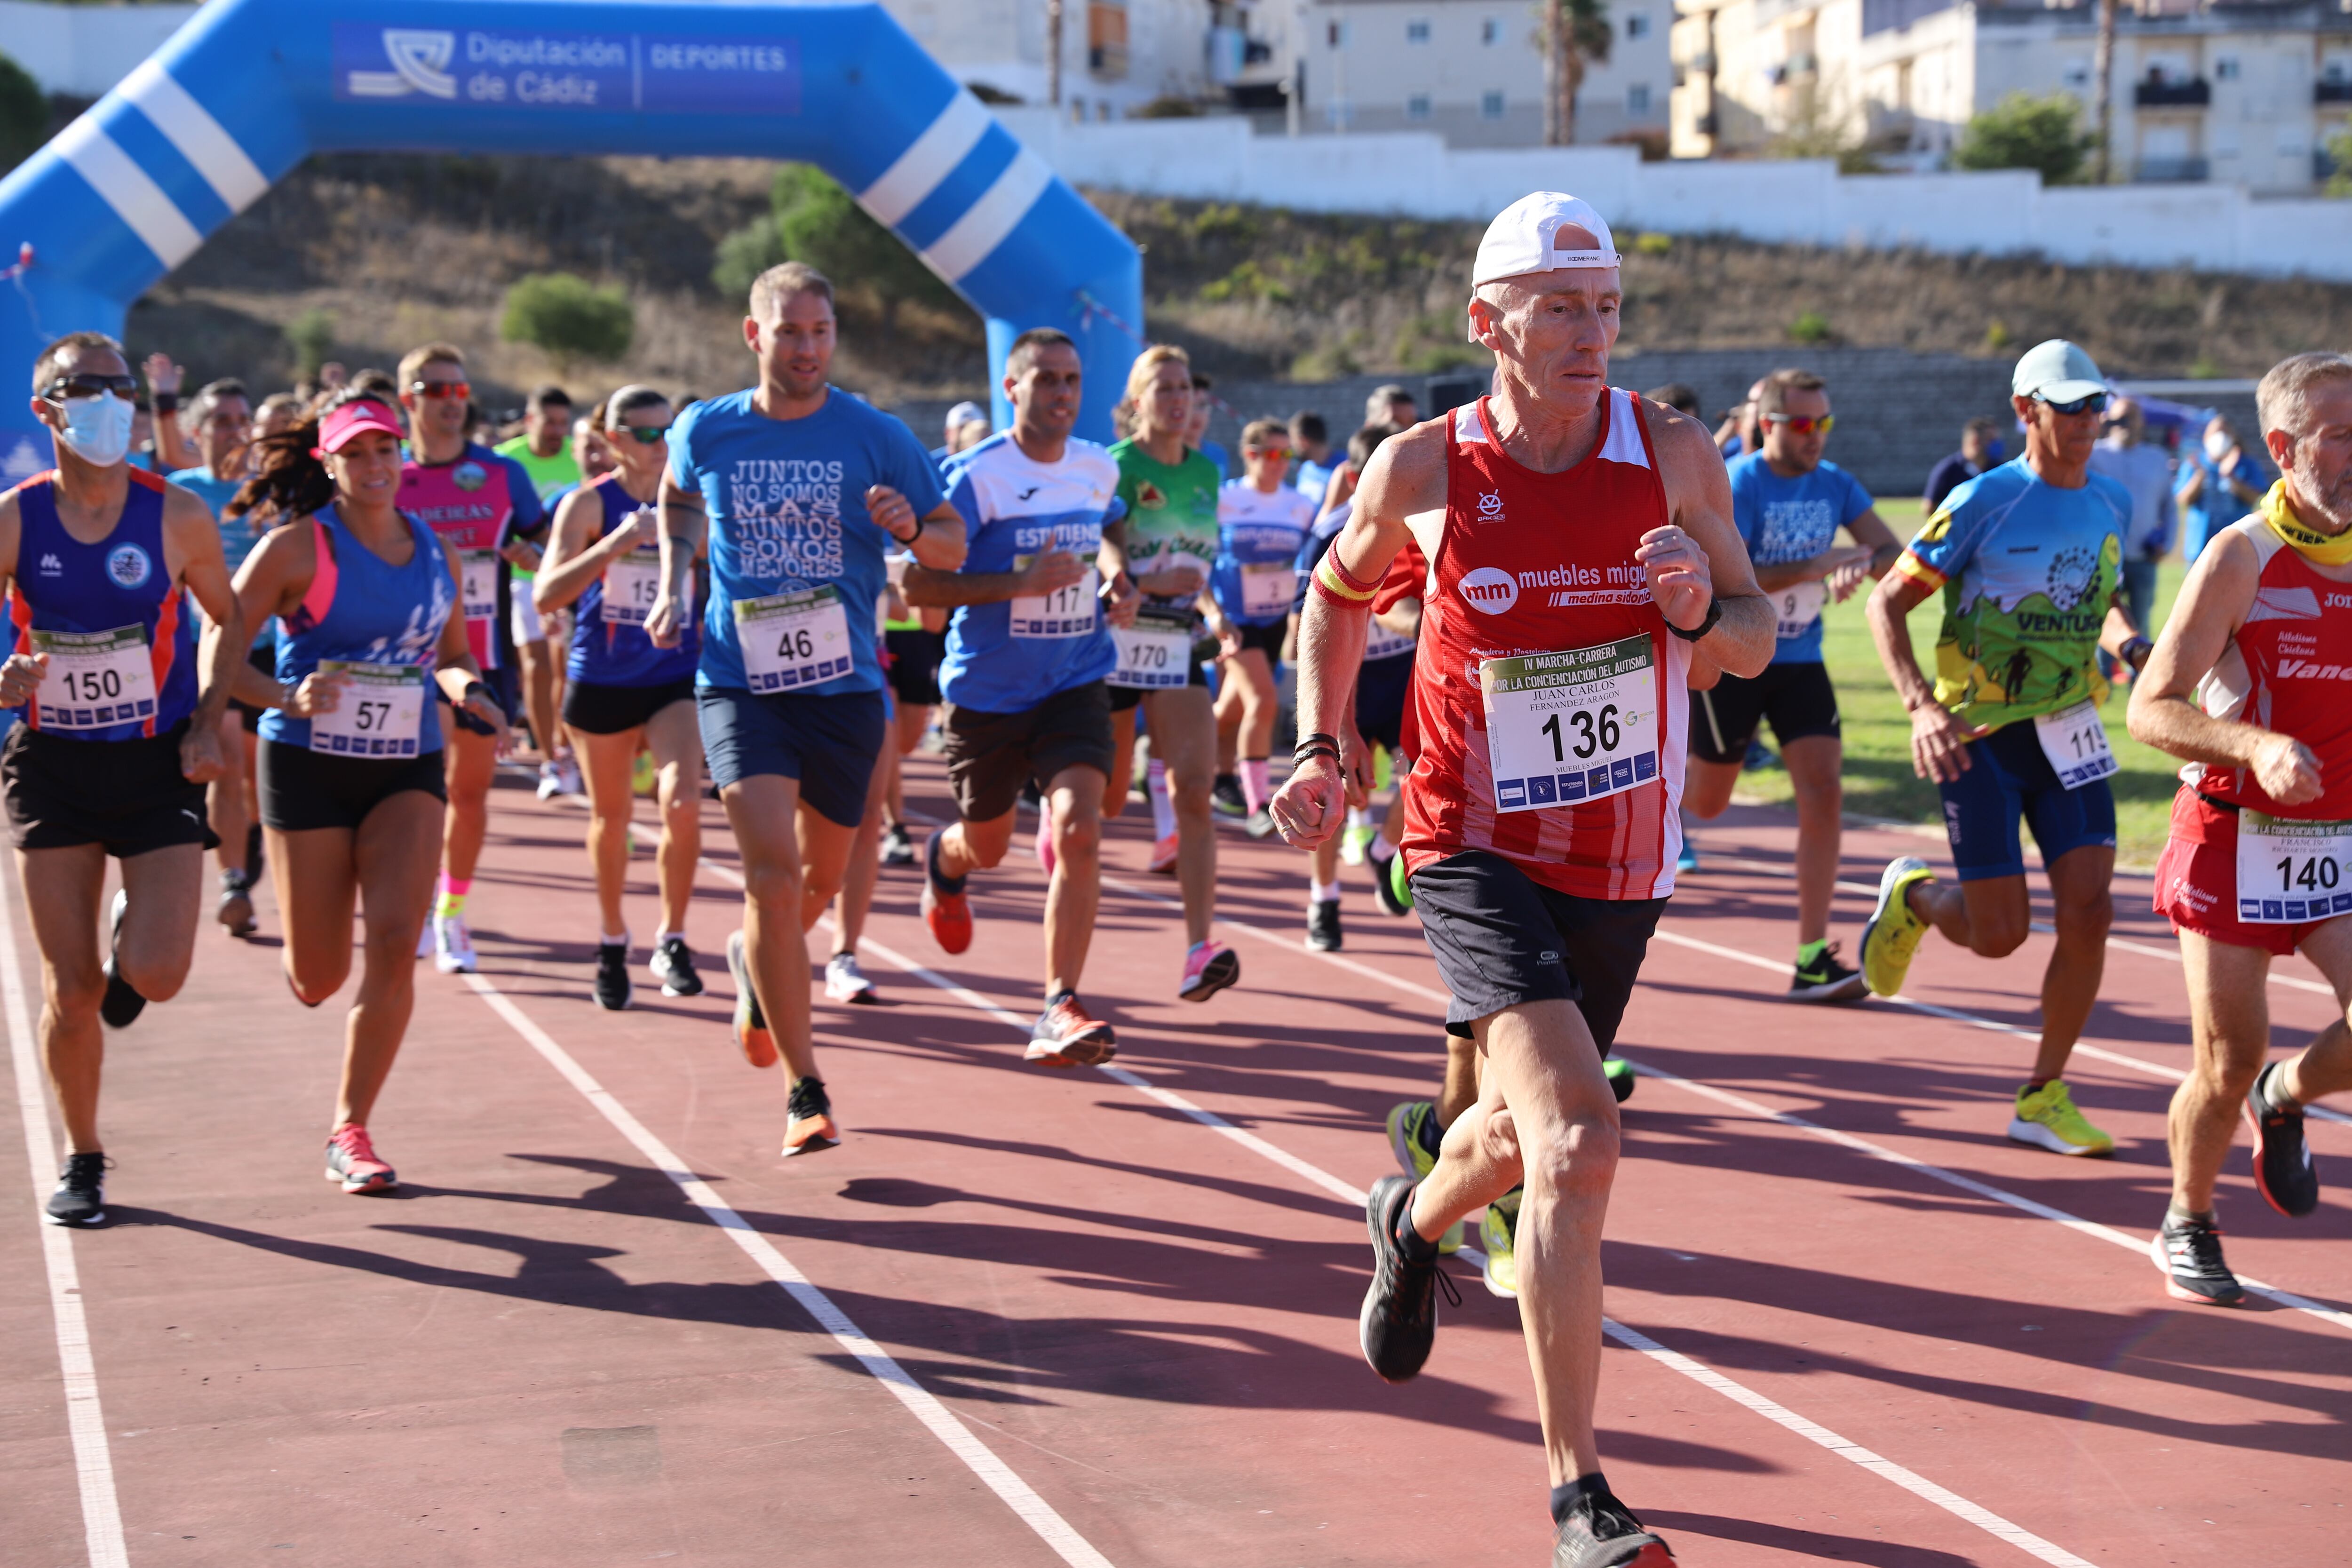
[[1381, 848], [1322, 892], [1163, 810], [1256, 790], [611, 940], [1359, 817], [661, 937]]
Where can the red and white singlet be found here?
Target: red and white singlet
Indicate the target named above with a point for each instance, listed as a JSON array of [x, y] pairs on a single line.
[[2289, 669], [1525, 564]]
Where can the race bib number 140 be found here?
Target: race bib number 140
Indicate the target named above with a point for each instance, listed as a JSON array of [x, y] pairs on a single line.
[[2290, 872], [1564, 728]]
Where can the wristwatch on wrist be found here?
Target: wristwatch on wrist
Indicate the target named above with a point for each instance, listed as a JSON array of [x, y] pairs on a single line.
[[1714, 614]]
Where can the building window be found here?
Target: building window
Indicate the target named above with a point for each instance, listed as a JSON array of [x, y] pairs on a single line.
[[1637, 98], [1490, 31], [1106, 38], [1637, 25], [1416, 32], [1490, 106], [1335, 35], [2225, 68], [1416, 107]]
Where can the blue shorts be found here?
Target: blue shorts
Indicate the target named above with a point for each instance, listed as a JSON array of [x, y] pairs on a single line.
[[2009, 778], [828, 743]]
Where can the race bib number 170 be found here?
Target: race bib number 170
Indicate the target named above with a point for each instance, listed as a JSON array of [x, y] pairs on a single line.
[[1562, 727]]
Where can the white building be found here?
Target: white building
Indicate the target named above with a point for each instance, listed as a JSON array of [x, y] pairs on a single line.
[[1116, 55]]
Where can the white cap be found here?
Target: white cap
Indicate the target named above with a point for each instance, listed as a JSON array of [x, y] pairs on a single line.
[[1521, 239], [2056, 371], [964, 414]]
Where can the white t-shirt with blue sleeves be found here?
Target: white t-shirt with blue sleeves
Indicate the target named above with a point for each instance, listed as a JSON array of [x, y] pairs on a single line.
[[1781, 521], [1008, 657], [787, 505], [1259, 536]]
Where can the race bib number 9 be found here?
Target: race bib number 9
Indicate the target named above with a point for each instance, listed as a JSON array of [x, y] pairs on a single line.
[[1156, 653], [632, 587], [2290, 872], [792, 640], [381, 712], [95, 679], [1562, 727], [1798, 606], [1066, 611], [2076, 745], [478, 582]]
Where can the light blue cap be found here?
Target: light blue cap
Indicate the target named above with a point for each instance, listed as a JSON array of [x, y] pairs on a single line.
[[2056, 371]]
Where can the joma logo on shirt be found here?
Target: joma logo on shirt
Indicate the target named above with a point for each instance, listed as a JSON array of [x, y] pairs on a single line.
[[2306, 669]]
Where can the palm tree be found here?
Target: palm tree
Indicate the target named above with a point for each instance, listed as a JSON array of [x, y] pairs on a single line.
[[2103, 111], [1575, 32]]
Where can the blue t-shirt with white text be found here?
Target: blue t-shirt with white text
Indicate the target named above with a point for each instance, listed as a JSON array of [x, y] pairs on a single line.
[[1782, 520]]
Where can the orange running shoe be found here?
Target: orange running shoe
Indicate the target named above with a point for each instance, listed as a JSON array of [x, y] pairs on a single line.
[[947, 910], [1067, 1036], [752, 1035], [1163, 857], [809, 1126], [351, 1160]]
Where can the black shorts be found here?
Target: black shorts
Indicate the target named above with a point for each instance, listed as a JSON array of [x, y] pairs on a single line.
[[1266, 639], [129, 796], [1123, 697], [595, 709], [914, 671], [827, 745], [1797, 697], [301, 789], [1501, 938], [990, 755], [263, 656], [1381, 690]]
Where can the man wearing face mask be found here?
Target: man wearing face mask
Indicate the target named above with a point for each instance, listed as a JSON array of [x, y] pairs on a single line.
[[118, 742], [2219, 483]]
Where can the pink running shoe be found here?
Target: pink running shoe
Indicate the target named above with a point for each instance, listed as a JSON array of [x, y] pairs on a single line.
[[351, 1160], [1045, 847], [1163, 857], [1209, 968]]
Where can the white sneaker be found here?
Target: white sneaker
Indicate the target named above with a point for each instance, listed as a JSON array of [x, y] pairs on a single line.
[[452, 945], [845, 982], [425, 943], [567, 775], [551, 780]]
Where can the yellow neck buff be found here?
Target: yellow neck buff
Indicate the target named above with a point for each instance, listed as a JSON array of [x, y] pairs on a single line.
[[2319, 549]]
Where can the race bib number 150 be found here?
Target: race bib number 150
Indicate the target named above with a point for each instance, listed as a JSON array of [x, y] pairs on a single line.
[[1564, 728]]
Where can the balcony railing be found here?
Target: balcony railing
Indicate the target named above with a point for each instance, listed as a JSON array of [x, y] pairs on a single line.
[[2170, 171], [2195, 94], [2332, 89]]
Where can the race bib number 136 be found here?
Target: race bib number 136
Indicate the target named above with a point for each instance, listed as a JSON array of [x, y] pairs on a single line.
[[1567, 727]]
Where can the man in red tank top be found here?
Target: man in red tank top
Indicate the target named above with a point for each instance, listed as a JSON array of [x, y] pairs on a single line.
[[2248, 685], [1580, 551]]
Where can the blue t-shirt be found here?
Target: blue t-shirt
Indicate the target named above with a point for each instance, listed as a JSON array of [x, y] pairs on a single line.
[[1313, 479], [1258, 537], [1008, 656], [1216, 454], [1783, 520], [787, 505]]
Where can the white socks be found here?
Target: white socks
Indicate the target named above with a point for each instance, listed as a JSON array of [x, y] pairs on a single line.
[[1322, 892], [1163, 810]]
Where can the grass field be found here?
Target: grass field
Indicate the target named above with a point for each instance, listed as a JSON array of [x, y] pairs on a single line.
[[1879, 781]]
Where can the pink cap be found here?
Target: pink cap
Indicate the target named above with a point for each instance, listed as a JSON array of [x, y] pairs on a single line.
[[354, 418]]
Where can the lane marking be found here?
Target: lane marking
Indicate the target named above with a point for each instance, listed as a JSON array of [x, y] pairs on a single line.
[[129, 190], [101, 1513], [190, 128], [1033, 1510]]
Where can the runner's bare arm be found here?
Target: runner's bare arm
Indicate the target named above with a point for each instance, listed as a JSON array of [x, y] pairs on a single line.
[[20, 674], [938, 543], [1938, 740], [576, 556], [1698, 555], [946, 588], [192, 547], [460, 678], [2164, 712], [1120, 597], [685, 526], [272, 582]]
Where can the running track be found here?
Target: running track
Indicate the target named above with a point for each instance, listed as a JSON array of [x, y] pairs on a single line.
[[1024, 1318]]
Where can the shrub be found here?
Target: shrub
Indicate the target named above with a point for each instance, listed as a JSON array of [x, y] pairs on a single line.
[[311, 337], [816, 222], [2340, 155], [1652, 244], [1998, 336], [568, 318], [1810, 327], [1168, 108], [743, 255], [23, 115], [2043, 134]]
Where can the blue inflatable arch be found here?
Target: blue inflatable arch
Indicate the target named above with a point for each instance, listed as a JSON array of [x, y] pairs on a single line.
[[249, 88]]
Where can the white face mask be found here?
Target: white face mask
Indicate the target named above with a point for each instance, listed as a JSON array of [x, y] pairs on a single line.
[[2217, 445], [98, 429]]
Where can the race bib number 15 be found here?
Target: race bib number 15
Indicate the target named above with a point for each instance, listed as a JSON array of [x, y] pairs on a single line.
[[1564, 728]]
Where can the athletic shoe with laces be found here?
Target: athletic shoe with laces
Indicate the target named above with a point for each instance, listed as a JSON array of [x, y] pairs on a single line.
[[1602, 1533], [1163, 856], [898, 846], [845, 982], [2046, 1118], [1687, 860], [236, 908], [2283, 1172], [1819, 976], [1323, 925], [1209, 968], [1620, 1074], [452, 945], [1389, 884], [551, 781], [81, 1196], [351, 1160], [1353, 842], [2187, 1253], [946, 910], [750, 1025], [1408, 1124], [1399, 1321], [1067, 1036], [1497, 1233], [122, 1005], [1225, 796], [809, 1126], [1892, 934], [673, 965], [613, 988], [1259, 823]]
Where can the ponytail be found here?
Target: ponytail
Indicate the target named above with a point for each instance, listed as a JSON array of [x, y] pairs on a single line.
[[290, 481]]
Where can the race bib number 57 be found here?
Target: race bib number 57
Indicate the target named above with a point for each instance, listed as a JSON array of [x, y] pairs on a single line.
[[1567, 727]]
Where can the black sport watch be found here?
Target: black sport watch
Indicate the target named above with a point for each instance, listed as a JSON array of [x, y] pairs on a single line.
[[1714, 614]]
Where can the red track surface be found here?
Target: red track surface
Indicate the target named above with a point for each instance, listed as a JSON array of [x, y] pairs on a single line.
[[540, 1353]]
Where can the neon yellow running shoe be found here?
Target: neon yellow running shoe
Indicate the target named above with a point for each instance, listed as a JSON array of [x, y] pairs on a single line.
[[641, 775], [2046, 1118], [1494, 1234], [1352, 842], [1406, 1122], [1894, 931]]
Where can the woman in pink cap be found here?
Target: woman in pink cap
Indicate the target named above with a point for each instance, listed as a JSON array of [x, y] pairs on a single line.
[[351, 776]]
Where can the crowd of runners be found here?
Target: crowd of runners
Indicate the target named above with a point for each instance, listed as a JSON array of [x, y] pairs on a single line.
[[1547, 623]]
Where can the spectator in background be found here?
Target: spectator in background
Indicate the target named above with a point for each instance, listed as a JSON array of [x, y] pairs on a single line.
[[589, 447], [544, 447], [222, 417], [1391, 404], [280, 412], [1678, 396], [1196, 435], [2219, 483], [1311, 439], [1738, 435], [967, 427], [2126, 457], [1981, 448]]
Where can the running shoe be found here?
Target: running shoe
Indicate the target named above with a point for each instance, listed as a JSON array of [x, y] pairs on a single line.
[[2284, 1173], [1496, 1233], [1259, 823], [80, 1197], [425, 937], [1894, 931], [452, 945], [1758, 758], [1602, 1533], [551, 780], [1408, 1124], [1820, 978], [1067, 1036], [898, 846], [643, 775], [1163, 856], [845, 982], [1399, 1321], [1687, 861], [2046, 1118], [236, 908], [1225, 796], [1354, 841], [673, 965], [947, 910], [1386, 883], [809, 1126], [612, 975], [1323, 925], [351, 1160], [1045, 846], [2187, 1253], [750, 1027], [1209, 968], [1619, 1073], [122, 1005]]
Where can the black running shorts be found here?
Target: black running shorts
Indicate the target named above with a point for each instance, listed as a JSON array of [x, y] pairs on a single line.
[[1797, 697], [914, 671], [301, 789], [1501, 938], [990, 755], [594, 709], [1381, 690], [126, 795]]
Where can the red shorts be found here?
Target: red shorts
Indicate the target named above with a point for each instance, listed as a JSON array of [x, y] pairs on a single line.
[[2197, 880]]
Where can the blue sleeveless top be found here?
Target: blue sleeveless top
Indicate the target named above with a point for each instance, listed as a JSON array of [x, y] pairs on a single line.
[[64, 586], [618, 653], [363, 609]]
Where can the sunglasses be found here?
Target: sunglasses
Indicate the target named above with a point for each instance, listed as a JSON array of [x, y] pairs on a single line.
[[2095, 403], [644, 435], [1265, 452], [441, 388], [72, 388], [1799, 425]]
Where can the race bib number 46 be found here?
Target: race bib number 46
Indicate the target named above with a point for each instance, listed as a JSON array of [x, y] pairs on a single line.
[[95, 679], [381, 712], [2290, 872], [1564, 728], [2076, 745], [1156, 653], [793, 640]]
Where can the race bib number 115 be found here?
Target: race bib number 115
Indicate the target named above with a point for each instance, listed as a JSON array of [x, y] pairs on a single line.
[[1564, 728]]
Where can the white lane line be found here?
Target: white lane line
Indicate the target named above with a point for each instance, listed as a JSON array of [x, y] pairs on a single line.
[[101, 1515], [925, 1406]]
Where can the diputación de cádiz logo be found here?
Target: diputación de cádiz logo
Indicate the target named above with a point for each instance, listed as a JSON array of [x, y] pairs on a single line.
[[420, 59]]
